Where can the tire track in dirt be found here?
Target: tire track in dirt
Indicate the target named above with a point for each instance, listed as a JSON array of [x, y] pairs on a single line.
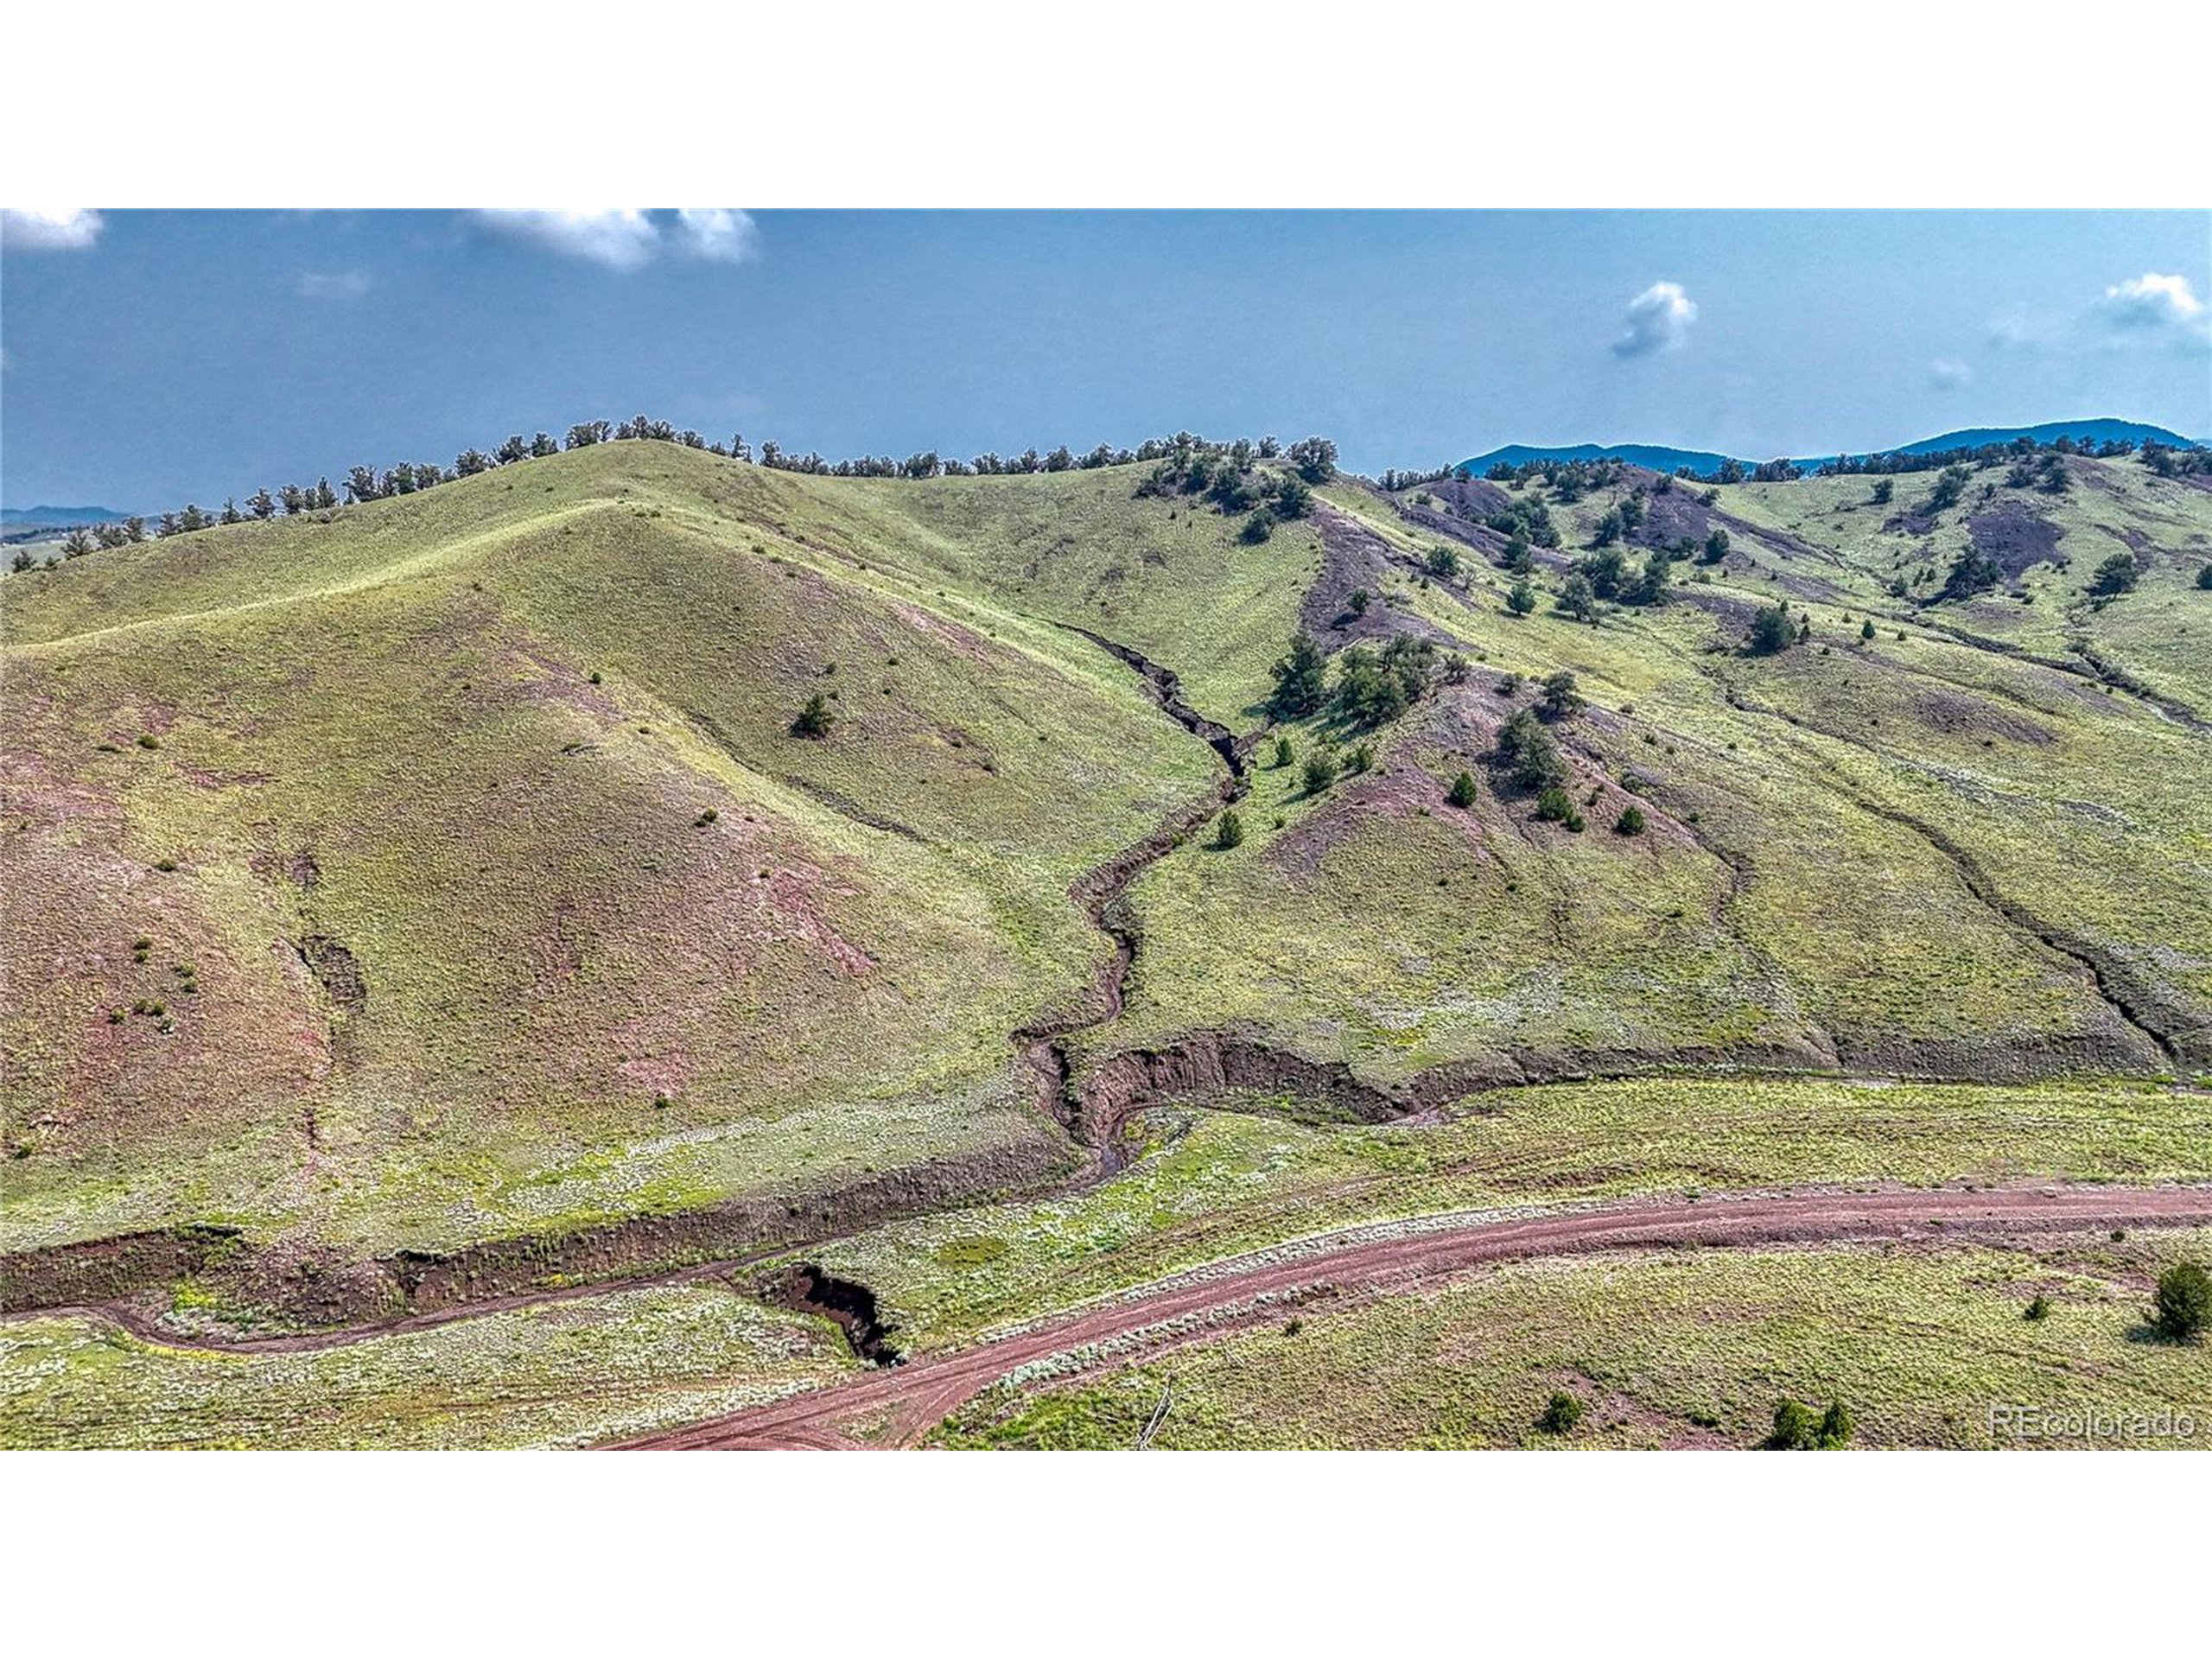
[[924, 1391]]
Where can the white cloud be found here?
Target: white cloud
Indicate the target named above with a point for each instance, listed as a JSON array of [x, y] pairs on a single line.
[[624, 238], [334, 284], [2156, 307], [1948, 374], [1659, 319], [2020, 330], [49, 228], [724, 234]]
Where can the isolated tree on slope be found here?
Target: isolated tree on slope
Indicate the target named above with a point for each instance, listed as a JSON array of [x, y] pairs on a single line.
[[1315, 460], [1301, 680], [1771, 631]]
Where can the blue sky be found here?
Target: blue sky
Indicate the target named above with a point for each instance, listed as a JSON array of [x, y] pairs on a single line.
[[152, 357]]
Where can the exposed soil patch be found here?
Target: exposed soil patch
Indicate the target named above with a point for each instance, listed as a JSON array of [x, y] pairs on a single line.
[[2016, 536], [414, 1289], [1355, 560], [299, 868], [336, 970], [1674, 517], [103, 1269], [1964, 715], [1473, 499], [805, 1288]]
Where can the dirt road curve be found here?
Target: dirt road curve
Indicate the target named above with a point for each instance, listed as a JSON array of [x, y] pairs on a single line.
[[915, 1396]]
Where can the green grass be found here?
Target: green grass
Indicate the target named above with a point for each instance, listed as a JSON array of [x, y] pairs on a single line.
[[1794, 890], [1664, 1350], [615, 942], [562, 1375], [1227, 1182], [476, 753]]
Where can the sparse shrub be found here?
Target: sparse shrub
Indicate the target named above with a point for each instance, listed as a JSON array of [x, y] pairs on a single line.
[[1971, 572], [1283, 752], [1771, 631], [815, 719], [1229, 832], [1531, 751], [2183, 1304], [1561, 1413], [2038, 1311], [2204, 576], [1578, 599], [1950, 484], [1443, 560], [2115, 576], [1884, 489], [705, 818], [1553, 805], [1361, 758], [1301, 679], [166, 865], [1463, 791], [1630, 822], [1561, 696], [1867, 630], [1320, 772], [148, 741], [1292, 1327], [1796, 1428], [1314, 458], [1359, 601]]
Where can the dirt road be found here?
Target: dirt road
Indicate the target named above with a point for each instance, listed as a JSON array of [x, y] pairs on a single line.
[[914, 1397]]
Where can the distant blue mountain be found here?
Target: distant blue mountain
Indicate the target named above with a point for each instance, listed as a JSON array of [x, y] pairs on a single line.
[[1656, 457], [1704, 462], [2100, 431], [60, 515]]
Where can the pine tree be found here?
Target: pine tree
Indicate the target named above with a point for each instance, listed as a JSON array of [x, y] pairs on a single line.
[[1301, 680], [815, 719]]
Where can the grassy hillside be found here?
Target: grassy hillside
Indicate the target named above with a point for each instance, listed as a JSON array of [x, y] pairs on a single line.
[[1927, 853], [447, 947], [1689, 1351], [433, 900]]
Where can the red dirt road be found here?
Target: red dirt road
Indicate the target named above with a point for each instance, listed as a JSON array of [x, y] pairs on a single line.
[[914, 1397]]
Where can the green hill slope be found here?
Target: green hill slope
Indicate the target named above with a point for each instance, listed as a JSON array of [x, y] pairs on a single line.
[[445, 873]]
